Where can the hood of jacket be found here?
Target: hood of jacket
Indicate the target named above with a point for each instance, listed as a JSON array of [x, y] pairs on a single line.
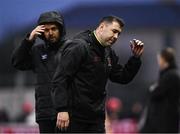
[[53, 17]]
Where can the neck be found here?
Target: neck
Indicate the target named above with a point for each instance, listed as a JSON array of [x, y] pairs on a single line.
[[98, 38], [163, 66]]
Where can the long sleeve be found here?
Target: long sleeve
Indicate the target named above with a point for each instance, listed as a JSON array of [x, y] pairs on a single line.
[[21, 57], [67, 67], [125, 74]]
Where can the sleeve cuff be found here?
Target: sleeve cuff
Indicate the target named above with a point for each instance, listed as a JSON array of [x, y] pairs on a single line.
[[27, 42], [136, 58]]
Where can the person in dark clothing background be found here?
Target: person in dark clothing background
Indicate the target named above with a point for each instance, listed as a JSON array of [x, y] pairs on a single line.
[[162, 111], [41, 59], [79, 82]]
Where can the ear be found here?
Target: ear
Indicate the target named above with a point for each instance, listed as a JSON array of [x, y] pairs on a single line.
[[101, 27]]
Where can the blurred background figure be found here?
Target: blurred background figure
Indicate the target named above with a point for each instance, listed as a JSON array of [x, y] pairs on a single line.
[[4, 116], [26, 110], [115, 123], [114, 106], [162, 115]]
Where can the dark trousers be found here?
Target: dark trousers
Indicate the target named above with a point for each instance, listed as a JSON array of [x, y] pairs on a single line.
[[84, 127], [47, 126]]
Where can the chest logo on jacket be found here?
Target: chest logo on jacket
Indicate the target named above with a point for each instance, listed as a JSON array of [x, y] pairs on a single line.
[[44, 57], [96, 59]]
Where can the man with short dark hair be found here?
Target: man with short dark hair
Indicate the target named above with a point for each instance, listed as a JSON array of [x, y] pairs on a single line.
[[41, 59], [79, 83], [162, 112]]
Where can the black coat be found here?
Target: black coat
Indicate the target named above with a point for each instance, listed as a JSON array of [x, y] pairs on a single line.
[[42, 60], [82, 74], [162, 113]]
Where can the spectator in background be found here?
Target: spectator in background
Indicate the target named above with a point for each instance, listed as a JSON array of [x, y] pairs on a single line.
[[4, 116], [113, 108], [41, 59], [117, 124], [162, 111], [24, 113]]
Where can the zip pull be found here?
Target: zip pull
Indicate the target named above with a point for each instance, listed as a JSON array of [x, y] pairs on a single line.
[[109, 62], [107, 56]]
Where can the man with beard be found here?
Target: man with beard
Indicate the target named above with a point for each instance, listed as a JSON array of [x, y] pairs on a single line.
[[42, 60]]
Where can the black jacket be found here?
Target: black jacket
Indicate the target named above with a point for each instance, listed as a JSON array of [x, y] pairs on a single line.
[[41, 59], [162, 113], [82, 74]]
